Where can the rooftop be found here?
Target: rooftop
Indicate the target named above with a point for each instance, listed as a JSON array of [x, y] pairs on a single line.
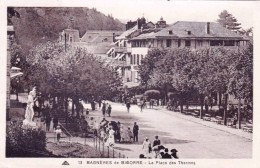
[[180, 29]]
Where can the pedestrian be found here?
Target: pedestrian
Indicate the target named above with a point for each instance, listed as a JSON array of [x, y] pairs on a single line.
[[58, 133], [48, 122], [111, 137], [166, 155], [109, 110], [151, 103], [174, 154], [128, 106], [146, 147], [160, 102], [235, 119], [87, 111], [55, 122], [141, 105], [156, 144], [99, 102], [129, 135], [135, 132], [104, 109]]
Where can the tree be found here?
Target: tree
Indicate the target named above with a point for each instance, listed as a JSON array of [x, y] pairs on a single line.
[[228, 21], [40, 25], [241, 83], [74, 74], [148, 64]]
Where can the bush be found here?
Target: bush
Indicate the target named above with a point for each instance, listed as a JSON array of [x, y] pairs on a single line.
[[19, 140]]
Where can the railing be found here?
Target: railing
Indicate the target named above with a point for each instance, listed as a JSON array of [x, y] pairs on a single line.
[[66, 131], [106, 151]]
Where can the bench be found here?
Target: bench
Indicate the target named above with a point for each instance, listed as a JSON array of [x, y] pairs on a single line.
[[207, 118], [217, 120]]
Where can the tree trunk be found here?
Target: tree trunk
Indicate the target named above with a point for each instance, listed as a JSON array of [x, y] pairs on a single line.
[[239, 113], [77, 108], [225, 109], [73, 110], [181, 104], [219, 100], [16, 92], [201, 105]]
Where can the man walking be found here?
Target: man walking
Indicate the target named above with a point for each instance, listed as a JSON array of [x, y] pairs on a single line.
[[135, 132], [104, 109], [156, 144], [128, 106], [48, 122], [109, 110]]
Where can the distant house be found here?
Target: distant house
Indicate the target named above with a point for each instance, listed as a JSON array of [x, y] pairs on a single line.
[[133, 44], [97, 42]]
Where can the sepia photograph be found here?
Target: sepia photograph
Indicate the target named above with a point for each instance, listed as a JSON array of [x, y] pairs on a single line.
[[130, 81]]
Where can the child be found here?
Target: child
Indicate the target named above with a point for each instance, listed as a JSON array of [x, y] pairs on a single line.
[[58, 132]]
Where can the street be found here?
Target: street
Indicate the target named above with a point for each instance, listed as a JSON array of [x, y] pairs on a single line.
[[192, 137]]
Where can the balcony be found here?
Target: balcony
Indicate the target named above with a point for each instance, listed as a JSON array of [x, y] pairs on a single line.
[[120, 49]]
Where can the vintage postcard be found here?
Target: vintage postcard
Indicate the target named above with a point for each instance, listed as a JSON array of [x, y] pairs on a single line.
[[129, 83]]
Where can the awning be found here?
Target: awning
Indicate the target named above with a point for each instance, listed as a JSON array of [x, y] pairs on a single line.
[[14, 75]]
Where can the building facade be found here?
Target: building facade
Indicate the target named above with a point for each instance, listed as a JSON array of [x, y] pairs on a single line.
[[135, 43]]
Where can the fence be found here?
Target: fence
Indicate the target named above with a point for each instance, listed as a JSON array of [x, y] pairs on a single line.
[[105, 150]]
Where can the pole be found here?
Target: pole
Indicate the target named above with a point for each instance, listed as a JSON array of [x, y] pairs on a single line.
[[108, 152], [239, 113], [103, 149], [113, 153]]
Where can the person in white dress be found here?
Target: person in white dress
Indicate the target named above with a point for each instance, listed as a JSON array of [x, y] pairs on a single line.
[[111, 137], [146, 146]]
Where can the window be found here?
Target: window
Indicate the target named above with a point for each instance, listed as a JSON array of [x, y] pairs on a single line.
[[187, 43], [170, 31], [70, 39], [179, 43], [169, 43], [216, 43], [199, 43], [134, 59], [138, 59], [229, 43], [131, 59]]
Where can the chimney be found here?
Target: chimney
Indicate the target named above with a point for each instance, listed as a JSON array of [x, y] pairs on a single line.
[[208, 28]]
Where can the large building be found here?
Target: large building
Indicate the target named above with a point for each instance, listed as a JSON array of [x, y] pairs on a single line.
[[133, 44]]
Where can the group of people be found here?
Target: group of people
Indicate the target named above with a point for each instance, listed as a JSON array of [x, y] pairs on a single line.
[[106, 109], [159, 150], [110, 132]]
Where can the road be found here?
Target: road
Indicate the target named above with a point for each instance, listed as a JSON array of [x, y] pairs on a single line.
[[192, 137]]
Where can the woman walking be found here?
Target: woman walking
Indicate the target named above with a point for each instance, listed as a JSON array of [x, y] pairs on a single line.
[[147, 147]]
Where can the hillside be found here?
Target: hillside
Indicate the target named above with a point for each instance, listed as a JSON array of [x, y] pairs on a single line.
[[37, 25]]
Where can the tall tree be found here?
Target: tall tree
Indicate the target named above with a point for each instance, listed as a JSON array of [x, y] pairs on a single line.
[[241, 83], [228, 21]]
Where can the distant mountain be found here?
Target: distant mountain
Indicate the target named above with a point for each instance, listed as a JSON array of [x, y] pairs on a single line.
[[37, 25]]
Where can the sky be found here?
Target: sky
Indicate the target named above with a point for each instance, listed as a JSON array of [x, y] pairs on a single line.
[[173, 11]]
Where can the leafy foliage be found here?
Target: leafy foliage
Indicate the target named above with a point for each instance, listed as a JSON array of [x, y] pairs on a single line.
[[241, 81], [228, 21], [18, 138], [74, 74], [39, 25]]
